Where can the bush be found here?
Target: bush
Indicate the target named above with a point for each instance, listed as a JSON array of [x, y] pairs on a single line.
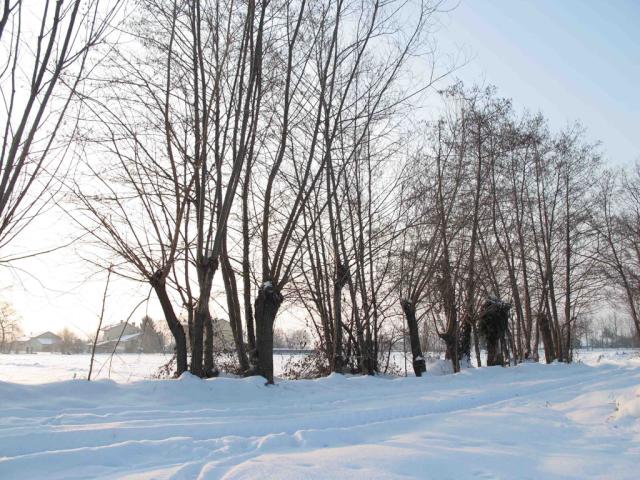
[[312, 365]]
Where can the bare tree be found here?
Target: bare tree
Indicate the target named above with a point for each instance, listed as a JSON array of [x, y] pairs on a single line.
[[180, 113], [617, 222], [348, 219], [10, 328]]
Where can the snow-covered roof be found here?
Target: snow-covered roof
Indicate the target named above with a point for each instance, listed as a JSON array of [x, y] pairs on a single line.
[[48, 334], [123, 339], [119, 326], [47, 338], [131, 336]]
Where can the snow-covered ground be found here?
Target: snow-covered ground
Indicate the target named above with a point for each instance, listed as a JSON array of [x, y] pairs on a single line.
[[53, 367], [531, 421], [128, 367]]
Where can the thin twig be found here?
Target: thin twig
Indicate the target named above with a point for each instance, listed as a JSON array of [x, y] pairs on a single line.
[[95, 340]]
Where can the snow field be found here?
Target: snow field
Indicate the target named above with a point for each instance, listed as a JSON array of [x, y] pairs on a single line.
[[52, 367], [532, 421], [128, 367]]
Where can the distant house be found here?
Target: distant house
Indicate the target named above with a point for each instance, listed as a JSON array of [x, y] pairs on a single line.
[[45, 342], [121, 337], [20, 345], [222, 335], [127, 337], [113, 332]]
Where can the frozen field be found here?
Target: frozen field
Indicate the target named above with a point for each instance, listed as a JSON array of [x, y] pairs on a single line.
[[128, 367], [532, 421], [48, 367]]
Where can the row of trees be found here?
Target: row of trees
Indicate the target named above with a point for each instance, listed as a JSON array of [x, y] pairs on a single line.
[[506, 210], [273, 146], [226, 133], [510, 209]]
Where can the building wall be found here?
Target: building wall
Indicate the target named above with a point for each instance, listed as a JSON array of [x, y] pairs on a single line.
[[222, 334], [51, 343], [34, 346], [113, 332]]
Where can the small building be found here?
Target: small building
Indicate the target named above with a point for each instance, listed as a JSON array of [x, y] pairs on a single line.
[[20, 345], [45, 342], [121, 338], [222, 335], [117, 331]]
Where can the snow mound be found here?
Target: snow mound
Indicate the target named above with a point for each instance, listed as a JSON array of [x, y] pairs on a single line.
[[628, 406], [439, 367]]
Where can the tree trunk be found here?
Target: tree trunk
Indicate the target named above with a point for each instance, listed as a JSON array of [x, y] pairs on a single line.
[[209, 370], [267, 305], [451, 350], [409, 309], [476, 344], [494, 353], [547, 338], [337, 364], [464, 346], [202, 315], [358, 338], [342, 276], [248, 316], [567, 275], [174, 325], [197, 350], [246, 265], [536, 344], [568, 354], [494, 327], [233, 307], [554, 316]]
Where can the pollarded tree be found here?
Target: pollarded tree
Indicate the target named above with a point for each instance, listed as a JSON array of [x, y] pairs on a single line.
[[494, 327], [176, 110], [419, 253], [330, 237]]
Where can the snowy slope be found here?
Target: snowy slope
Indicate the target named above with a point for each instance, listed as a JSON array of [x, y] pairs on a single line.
[[532, 421]]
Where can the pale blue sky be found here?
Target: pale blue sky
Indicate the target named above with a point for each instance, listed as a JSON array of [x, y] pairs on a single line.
[[570, 59]]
